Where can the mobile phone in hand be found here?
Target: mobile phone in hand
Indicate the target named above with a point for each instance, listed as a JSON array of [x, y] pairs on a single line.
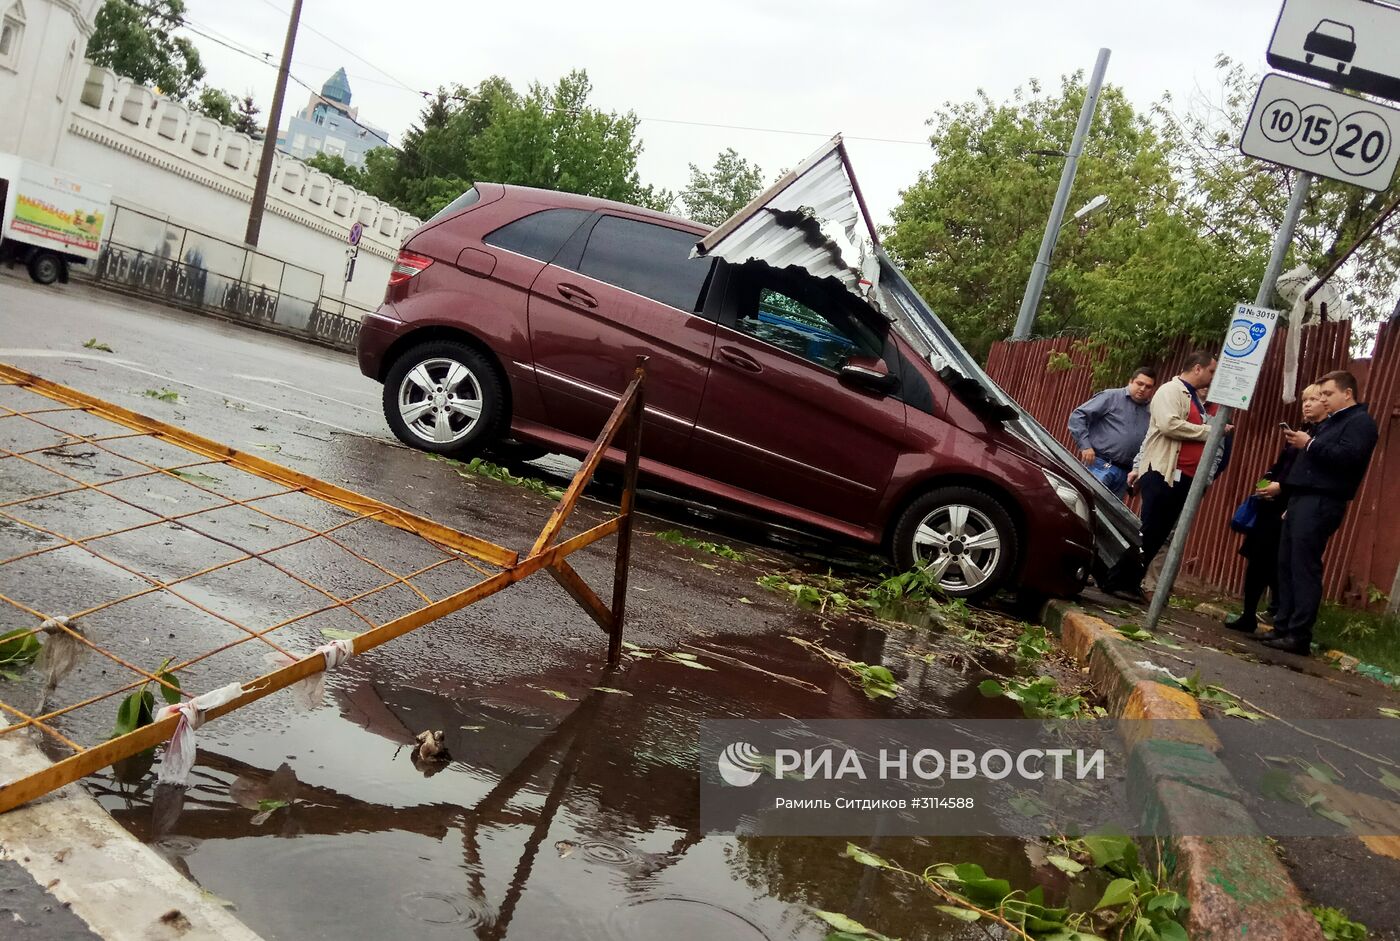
[[1284, 426]]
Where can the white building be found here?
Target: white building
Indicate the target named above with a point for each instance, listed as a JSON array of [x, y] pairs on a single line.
[[329, 125], [171, 164]]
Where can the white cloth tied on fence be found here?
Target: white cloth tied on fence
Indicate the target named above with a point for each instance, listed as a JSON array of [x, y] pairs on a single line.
[[311, 692], [179, 754]]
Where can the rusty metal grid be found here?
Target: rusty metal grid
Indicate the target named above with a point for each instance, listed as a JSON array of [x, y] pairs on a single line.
[[145, 521]]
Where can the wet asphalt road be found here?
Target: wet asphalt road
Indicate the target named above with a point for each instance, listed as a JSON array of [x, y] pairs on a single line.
[[566, 808]]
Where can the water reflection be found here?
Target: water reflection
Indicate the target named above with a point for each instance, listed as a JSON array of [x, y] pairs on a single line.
[[555, 815]]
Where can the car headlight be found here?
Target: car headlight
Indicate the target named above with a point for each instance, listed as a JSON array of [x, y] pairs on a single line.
[[1066, 492]]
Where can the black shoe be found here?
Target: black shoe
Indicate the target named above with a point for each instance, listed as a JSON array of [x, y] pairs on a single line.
[[1289, 643], [1238, 622], [1266, 636], [1134, 594]]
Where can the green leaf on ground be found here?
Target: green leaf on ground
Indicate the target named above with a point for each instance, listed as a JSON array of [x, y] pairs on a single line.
[[1392, 713], [1118, 892], [961, 914], [556, 694], [19, 647], [162, 394], [135, 711], [335, 633], [1065, 864], [95, 344], [865, 857]]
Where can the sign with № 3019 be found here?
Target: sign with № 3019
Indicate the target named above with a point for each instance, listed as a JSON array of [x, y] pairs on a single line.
[[1242, 355]]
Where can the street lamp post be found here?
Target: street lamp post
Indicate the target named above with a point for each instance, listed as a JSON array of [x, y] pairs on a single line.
[[1036, 284]]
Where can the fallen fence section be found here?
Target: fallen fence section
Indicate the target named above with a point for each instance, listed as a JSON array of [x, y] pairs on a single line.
[[69, 461]]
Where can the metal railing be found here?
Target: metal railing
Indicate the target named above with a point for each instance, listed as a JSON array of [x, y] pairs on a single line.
[[156, 258]]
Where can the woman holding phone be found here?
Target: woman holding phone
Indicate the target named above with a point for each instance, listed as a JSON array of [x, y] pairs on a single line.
[[1260, 546]]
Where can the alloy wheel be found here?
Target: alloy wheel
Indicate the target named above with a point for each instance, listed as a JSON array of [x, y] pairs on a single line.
[[958, 546], [440, 400]]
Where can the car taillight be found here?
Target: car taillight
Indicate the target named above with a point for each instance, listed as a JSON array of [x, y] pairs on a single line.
[[409, 266]]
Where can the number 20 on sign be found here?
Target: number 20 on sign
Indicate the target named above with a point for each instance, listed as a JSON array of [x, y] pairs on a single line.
[[1322, 131]]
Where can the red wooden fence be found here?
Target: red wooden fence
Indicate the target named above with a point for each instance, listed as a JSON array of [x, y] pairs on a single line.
[[1362, 556]]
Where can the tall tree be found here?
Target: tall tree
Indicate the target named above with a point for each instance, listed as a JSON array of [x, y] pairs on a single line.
[[550, 137], [245, 118], [336, 166], [1145, 270], [1234, 194], [214, 103], [139, 42], [714, 195]]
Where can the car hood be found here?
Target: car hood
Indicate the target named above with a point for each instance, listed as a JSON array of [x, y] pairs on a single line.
[[815, 219]]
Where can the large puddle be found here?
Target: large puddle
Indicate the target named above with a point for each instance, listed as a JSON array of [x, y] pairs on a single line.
[[556, 817]]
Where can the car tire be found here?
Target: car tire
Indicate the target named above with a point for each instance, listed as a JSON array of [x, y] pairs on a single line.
[[445, 398], [962, 536], [45, 267]]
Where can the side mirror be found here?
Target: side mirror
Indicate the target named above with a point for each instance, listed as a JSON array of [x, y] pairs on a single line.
[[870, 373]]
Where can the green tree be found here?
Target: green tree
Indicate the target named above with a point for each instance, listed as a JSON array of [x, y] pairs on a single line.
[[337, 167], [714, 195], [549, 137], [139, 43], [1145, 270], [214, 103], [1246, 198], [245, 118]]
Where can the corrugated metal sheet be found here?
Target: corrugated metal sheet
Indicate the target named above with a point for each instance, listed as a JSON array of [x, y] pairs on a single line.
[[809, 219], [1364, 553]]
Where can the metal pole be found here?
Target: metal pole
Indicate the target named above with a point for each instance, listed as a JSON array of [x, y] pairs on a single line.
[[274, 124], [1041, 269], [1177, 549]]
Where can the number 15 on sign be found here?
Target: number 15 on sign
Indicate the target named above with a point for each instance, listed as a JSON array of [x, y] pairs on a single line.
[[1322, 131]]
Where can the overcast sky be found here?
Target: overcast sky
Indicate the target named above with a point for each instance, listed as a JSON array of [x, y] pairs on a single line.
[[872, 70]]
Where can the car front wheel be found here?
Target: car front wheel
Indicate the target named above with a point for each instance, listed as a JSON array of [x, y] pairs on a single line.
[[444, 397], [963, 539]]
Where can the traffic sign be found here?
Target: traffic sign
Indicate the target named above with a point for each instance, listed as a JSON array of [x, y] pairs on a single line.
[[1242, 356], [356, 231], [1324, 132], [1350, 43]]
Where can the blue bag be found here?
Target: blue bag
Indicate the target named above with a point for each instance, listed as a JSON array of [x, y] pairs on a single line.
[[1246, 515]]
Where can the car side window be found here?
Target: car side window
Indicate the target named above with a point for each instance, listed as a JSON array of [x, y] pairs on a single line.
[[791, 325], [540, 234], [651, 260]]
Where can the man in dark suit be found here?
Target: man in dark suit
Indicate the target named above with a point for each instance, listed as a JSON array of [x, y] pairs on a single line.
[[1325, 477]]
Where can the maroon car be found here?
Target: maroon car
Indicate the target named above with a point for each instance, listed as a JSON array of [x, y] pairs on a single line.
[[518, 313]]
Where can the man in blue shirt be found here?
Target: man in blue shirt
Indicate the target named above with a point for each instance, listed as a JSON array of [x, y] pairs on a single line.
[[1109, 428]]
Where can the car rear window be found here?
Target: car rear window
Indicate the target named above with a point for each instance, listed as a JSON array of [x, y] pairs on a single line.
[[538, 235], [651, 260], [461, 202]]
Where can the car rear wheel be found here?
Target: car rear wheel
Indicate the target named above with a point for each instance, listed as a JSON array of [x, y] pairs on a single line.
[[445, 398], [962, 538], [45, 267]]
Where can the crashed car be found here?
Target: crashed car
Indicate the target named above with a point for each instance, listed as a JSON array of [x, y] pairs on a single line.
[[792, 372]]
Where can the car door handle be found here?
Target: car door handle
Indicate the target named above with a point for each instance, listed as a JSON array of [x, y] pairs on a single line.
[[739, 358], [577, 295]]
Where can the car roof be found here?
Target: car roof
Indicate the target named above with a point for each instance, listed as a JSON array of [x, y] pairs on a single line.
[[575, 201]]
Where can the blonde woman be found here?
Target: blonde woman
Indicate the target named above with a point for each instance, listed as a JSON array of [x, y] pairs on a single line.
[[1261, 544]]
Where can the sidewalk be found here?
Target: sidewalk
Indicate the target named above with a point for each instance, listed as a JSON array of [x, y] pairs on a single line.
[[1341, 872]]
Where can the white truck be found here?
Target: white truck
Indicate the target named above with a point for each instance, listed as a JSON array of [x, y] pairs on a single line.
[[50, 218]]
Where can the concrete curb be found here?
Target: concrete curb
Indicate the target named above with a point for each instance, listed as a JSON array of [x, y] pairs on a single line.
[[121, 887], [1236, 885]]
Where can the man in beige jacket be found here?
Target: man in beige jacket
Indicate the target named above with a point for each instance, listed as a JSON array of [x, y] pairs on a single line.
[[1176, 434]]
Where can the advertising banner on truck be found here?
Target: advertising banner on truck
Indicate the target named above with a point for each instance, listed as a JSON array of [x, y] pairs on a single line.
[[58, 210]]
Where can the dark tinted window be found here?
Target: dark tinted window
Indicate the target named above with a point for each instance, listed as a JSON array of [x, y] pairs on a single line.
[[461, 202], [540, 235], [651, 260]]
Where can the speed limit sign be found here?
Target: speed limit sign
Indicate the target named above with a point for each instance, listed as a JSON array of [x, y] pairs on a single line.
[[1324, 132]]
